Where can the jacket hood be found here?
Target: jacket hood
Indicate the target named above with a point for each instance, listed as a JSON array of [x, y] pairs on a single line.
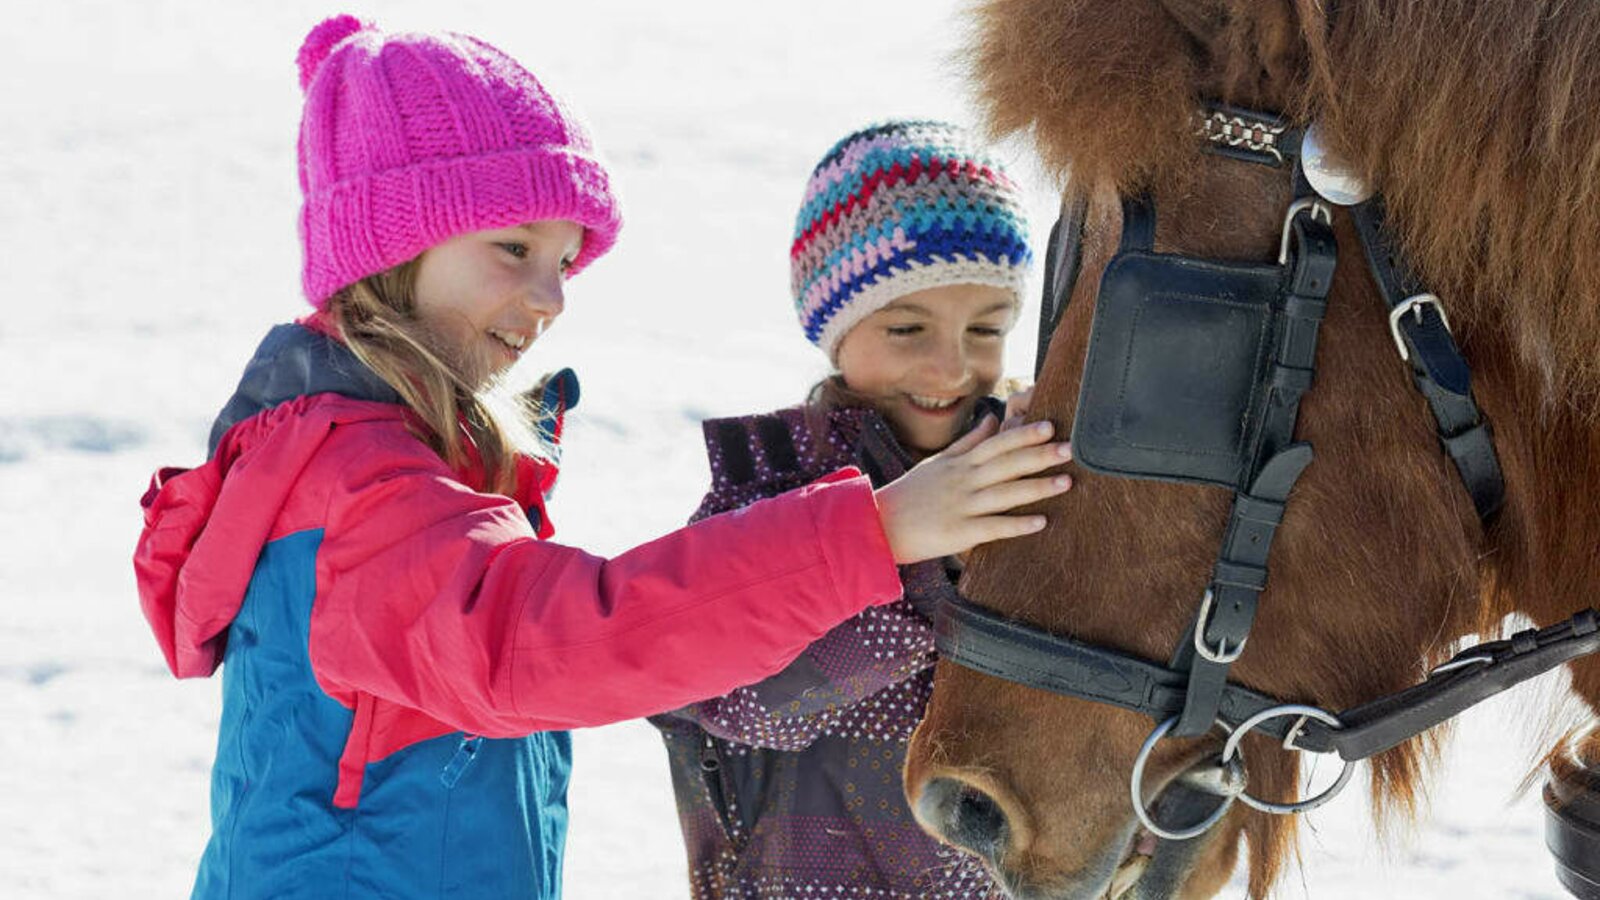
[[204, 528]]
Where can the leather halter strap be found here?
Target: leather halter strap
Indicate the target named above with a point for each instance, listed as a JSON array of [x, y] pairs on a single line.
[[1222, 625], [1062, 258], [988, 642], [1439, 370]]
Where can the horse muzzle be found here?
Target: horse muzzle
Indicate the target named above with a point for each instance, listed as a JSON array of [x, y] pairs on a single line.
[[1135, 864]]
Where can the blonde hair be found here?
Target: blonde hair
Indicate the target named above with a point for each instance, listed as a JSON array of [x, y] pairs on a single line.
[[376, 318]]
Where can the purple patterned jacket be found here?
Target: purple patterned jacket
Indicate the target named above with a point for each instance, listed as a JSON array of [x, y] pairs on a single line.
[[791, 787]]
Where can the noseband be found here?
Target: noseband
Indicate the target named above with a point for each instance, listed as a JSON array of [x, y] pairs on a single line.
[[1194, 374]]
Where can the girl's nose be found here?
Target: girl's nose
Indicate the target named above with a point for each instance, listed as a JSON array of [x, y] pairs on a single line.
[[949, 365], [547, 300]]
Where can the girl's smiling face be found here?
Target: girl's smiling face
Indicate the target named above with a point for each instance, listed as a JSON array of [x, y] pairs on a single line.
[[486, 296], [925, 359]]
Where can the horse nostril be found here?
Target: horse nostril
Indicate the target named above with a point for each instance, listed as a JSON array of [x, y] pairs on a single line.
[[964, 816]]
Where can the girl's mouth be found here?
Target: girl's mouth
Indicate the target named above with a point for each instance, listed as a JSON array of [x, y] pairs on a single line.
[[513, 342], [937, 407]]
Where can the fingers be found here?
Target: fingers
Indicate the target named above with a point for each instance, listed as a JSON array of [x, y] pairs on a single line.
[[999, 528], [1007, 441], [972, 438], [1012, 494], [1020, 462]]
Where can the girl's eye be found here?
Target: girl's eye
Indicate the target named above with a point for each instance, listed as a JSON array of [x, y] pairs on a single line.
[[520, 251], [566, 264], [987, 331], [903, 330]]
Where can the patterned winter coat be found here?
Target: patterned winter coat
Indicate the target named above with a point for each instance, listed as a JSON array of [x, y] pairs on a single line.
[[401, 653], [791, 787]]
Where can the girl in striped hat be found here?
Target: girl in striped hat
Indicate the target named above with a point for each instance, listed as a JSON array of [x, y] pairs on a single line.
[[909, 255]]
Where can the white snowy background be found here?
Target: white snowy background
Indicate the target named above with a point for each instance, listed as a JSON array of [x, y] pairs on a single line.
[[147, 208]]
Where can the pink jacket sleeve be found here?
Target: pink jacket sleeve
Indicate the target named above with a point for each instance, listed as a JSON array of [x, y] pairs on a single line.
[[439, 598]]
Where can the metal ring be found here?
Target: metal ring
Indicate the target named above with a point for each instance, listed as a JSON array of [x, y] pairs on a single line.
[[1319, 210], [1222, 655], [1137, 782], [1231, 746]]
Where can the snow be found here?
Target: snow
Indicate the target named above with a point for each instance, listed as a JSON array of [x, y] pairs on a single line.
[[147, 202]]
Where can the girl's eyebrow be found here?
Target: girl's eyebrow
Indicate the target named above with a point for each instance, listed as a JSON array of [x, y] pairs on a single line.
[[899, 306]]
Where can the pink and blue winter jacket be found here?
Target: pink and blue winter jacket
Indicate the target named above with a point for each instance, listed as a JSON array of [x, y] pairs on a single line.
[[401, 653]]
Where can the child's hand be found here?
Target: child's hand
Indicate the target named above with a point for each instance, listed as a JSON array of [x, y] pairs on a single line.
[[953, 501]]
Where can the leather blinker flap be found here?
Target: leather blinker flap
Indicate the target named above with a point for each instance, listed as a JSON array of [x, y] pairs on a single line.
[[1178, 357]]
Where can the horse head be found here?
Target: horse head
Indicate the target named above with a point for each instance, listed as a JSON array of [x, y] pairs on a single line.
[[1472, 122]]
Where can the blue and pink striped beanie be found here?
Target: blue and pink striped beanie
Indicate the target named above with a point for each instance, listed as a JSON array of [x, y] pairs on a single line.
[[897, 208]]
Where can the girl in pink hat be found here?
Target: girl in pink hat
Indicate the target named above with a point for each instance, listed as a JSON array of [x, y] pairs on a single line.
[[364, 553]]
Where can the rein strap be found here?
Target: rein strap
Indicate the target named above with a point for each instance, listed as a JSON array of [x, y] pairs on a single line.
[[987, 642]]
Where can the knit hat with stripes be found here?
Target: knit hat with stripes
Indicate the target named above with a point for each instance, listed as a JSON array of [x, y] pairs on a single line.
[[410, 139], [897, 208]]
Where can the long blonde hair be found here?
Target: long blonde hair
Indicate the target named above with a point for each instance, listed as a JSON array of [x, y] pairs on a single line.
[[376, 318]]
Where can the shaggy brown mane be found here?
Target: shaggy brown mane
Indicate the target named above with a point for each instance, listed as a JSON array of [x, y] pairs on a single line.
[[1477, 119]]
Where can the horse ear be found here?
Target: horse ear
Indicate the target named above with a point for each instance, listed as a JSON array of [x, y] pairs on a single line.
[[1250, 50], [1203, 20]]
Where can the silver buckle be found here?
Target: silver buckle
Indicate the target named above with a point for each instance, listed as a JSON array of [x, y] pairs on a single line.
[[1413, 304], [1319, 210], [1222, 655]]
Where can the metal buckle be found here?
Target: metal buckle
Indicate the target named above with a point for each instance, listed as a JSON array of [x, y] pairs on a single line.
[[1221, 656], [1413, 304], [1319, 210], [1136, 786], [1231, 747]]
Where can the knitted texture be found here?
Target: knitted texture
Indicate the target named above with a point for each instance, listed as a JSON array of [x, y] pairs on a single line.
[[897, 208], [410, 139]]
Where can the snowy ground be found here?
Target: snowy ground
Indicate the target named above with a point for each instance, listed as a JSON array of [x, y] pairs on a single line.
[[147, 200]]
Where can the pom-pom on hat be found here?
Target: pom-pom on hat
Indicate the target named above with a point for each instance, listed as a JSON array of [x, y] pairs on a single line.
[[410, 139], [896, 208]]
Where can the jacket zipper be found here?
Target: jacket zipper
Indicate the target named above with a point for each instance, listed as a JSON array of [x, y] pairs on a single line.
[[719, 790]]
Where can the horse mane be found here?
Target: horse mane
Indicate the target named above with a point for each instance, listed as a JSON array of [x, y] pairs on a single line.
[[1474, 118]]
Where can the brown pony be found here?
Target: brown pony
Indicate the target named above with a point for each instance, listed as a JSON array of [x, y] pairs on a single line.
[[1476, 119]]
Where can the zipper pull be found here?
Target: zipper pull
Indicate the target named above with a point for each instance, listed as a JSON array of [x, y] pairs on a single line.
[[457, 765]]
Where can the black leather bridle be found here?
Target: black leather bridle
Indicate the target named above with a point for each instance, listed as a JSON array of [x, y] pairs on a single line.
[[1191, 694]]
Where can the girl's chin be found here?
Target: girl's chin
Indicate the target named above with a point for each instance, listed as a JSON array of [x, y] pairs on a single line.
[[921, 437]]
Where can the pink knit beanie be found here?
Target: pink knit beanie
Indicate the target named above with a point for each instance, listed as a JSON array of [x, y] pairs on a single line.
[[410, 139]]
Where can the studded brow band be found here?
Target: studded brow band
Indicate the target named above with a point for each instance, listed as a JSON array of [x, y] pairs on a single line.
[[1240, 132]]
